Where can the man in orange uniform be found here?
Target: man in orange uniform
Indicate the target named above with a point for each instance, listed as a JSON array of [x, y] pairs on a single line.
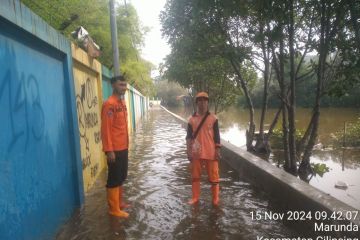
[[115, 140], [203, 147]]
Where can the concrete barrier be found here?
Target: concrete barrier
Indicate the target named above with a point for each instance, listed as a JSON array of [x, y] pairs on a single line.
[[290, 192]]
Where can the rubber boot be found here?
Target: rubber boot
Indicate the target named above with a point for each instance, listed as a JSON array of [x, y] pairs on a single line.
[[122, 204], [113, 201], [195, 193], [215, 194]]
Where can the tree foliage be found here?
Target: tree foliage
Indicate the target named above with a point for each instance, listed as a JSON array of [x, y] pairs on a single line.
[[93, 15], [169, 92], [276, 37], [197, 58]]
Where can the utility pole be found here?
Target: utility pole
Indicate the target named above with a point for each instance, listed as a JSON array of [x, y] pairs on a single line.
[[114, 38]]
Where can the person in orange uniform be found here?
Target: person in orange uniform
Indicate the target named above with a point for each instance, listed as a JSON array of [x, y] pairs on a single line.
[[115, 140], [203, 147]]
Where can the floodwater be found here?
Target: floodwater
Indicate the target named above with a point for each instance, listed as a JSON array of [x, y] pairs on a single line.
[[158, 188], [343, 164]]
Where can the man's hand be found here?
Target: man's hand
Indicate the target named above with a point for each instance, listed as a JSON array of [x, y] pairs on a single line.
[[110, 157], [218, 153]]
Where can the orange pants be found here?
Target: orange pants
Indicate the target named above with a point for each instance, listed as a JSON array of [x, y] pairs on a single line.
[[212, 168]]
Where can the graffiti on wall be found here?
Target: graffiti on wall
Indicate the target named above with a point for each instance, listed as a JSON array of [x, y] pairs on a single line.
[[89, 126], [27, 120]]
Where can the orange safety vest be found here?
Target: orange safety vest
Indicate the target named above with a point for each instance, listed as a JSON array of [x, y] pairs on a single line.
[[114, 125], [203, 146]]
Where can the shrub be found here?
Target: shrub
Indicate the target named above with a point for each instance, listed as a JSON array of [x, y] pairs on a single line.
[[352, 135], [276, 139]]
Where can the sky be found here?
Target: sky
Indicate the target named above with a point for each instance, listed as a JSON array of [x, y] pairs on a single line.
[[155, 48]]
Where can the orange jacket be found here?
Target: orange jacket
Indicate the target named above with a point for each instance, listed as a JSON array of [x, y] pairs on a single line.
[[208, 138], [114, 125]]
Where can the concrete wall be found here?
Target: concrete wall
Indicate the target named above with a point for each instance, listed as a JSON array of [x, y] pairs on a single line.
[[137, 109], [88, 89], [93, 87], [50, 145], [106, 85], [291, 192], [40, 165]]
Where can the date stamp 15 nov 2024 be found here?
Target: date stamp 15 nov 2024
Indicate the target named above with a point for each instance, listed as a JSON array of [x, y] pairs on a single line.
[[323, 222]]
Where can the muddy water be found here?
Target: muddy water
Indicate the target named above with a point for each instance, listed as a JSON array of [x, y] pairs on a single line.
[[343, 164], [158, 187]]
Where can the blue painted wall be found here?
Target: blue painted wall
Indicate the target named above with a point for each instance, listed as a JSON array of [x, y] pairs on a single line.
[[41, 181], [40, 165]]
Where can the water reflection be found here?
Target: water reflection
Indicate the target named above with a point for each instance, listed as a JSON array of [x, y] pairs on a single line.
[[331, 121], [346, 171], [344, 165], [158, 188]]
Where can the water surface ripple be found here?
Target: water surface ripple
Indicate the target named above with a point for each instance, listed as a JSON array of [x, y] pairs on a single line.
[[158, 187]]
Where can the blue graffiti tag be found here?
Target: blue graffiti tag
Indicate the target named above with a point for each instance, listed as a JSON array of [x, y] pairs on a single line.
[[26, 101]]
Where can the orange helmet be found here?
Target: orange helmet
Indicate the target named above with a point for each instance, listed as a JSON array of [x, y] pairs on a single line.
[[201, 95]]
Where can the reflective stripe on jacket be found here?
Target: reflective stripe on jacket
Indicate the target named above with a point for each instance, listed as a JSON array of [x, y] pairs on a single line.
[[114, 125]]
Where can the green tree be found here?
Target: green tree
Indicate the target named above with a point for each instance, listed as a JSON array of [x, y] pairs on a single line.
[[93, 15], [169, 92], [195, 67], [278, 34], [198, 52]]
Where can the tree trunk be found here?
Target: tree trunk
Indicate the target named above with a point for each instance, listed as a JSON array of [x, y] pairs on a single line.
[[304, 140], [292, 106], [271, 129], [251, 131], [305, 163], [287, 164], [280, 73], [261, 145], [240, 80], [274, 122], [328, 30], [323, 51]]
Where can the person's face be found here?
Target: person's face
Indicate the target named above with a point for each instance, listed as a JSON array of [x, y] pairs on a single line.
[[120, 87], [202, 104]]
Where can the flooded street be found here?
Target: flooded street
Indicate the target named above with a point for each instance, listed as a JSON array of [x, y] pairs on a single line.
[[158, 188], [343, 164]]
